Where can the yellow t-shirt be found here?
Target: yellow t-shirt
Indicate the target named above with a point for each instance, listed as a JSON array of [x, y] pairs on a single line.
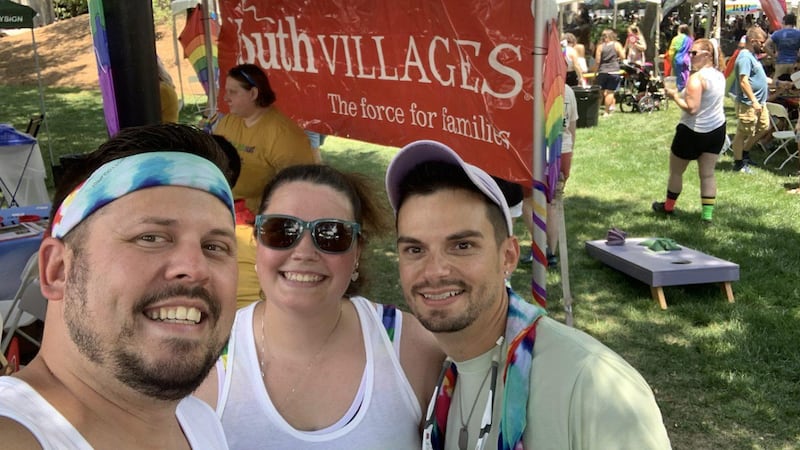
[[247, 290], [169, 103], [266, 147]]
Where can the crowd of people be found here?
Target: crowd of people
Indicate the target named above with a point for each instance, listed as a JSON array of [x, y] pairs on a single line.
[[761, 69]]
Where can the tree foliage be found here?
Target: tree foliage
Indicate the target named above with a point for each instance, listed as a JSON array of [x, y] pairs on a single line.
[[65, 9]]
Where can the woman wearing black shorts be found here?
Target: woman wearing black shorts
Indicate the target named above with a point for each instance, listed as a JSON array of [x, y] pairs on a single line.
[[607, 55], [700, 134]]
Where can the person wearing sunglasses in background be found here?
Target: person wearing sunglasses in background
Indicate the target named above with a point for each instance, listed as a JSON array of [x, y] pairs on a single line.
[[267, 141], [315, 365], [513, 378], [701, 131]]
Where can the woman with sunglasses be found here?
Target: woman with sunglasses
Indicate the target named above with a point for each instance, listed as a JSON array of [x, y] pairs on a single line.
[[315, 365], [267, 141], [700, 134]]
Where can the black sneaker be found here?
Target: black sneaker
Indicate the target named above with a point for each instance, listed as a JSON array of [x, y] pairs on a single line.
[[659, 208], [527, 259], [741, 166], [552, 260], [749, 162]]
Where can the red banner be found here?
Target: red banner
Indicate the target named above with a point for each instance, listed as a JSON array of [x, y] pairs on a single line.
[[457, 71]]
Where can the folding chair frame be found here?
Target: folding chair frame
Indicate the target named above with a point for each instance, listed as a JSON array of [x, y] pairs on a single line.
[[785, 137], [30, 280]]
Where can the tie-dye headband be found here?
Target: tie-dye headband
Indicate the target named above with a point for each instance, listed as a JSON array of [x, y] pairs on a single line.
[[132, 173]]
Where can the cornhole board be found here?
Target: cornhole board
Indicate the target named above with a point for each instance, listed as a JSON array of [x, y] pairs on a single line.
[[673, 268]]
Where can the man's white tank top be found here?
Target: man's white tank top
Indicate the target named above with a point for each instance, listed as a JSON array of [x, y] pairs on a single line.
[[21, 403]]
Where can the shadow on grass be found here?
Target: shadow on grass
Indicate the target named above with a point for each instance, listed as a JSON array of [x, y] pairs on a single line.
[[74, 120], [702, 346]]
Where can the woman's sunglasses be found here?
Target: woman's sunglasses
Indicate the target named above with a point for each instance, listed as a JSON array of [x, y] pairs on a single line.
[[697, 52], [284, 232]]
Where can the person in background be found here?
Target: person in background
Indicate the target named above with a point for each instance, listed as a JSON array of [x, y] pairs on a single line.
[[701, 131], [635, 45], [170, 106], [316, 365], [575, 67], [607, 56], [267, 141], [783, 45], [316, 140], [752, 90], [139, 268], [678, 55], [514, 378]]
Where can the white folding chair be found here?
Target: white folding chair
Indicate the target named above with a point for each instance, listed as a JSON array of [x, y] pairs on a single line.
[[28, 300], [781, 131]]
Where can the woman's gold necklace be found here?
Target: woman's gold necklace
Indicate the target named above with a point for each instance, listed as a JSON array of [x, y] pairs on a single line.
[[311, 363]]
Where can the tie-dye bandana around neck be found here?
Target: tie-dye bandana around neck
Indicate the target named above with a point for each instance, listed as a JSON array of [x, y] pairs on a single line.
[[520, 334]]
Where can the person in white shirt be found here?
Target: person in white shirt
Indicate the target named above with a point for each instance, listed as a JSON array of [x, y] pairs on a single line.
[[139, 270], [315, 365]]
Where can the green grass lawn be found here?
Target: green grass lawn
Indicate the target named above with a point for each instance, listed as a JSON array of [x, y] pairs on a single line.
[[727, 376]]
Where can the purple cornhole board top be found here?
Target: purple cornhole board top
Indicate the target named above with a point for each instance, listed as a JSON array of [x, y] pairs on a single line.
[[673, 268]]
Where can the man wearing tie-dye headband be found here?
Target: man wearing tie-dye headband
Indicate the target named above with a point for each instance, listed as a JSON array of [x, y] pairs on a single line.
[[139, 269]]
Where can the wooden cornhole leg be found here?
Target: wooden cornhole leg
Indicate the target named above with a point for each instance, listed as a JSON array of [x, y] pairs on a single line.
[[658, 295], [728, 290]]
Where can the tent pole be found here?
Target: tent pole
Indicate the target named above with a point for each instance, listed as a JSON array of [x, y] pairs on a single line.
[[212, 76], [539, 238], [658, 30], [177, 58], [41, 96]]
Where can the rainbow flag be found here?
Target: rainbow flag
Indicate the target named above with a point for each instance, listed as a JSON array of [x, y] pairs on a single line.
[[554, 79], [104, 72], [193, 40], [730, 74]]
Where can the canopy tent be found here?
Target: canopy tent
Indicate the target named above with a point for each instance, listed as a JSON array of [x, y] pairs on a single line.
[[526, 114], [15, 16]]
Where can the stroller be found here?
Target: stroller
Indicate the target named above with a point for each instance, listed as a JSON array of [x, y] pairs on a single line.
[[641, 90]]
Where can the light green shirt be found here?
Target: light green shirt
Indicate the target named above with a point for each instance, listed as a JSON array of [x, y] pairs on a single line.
[[583, 396]]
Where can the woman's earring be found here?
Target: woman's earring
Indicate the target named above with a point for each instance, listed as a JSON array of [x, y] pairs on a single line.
[[255, 267], [354, 275]]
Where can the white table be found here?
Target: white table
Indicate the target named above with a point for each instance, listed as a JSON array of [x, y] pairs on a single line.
[[22, 171], [14, 254], [660, 269]]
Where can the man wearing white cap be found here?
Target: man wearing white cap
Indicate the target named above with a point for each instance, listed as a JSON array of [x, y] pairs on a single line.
[[513, 377], [139, 269]]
